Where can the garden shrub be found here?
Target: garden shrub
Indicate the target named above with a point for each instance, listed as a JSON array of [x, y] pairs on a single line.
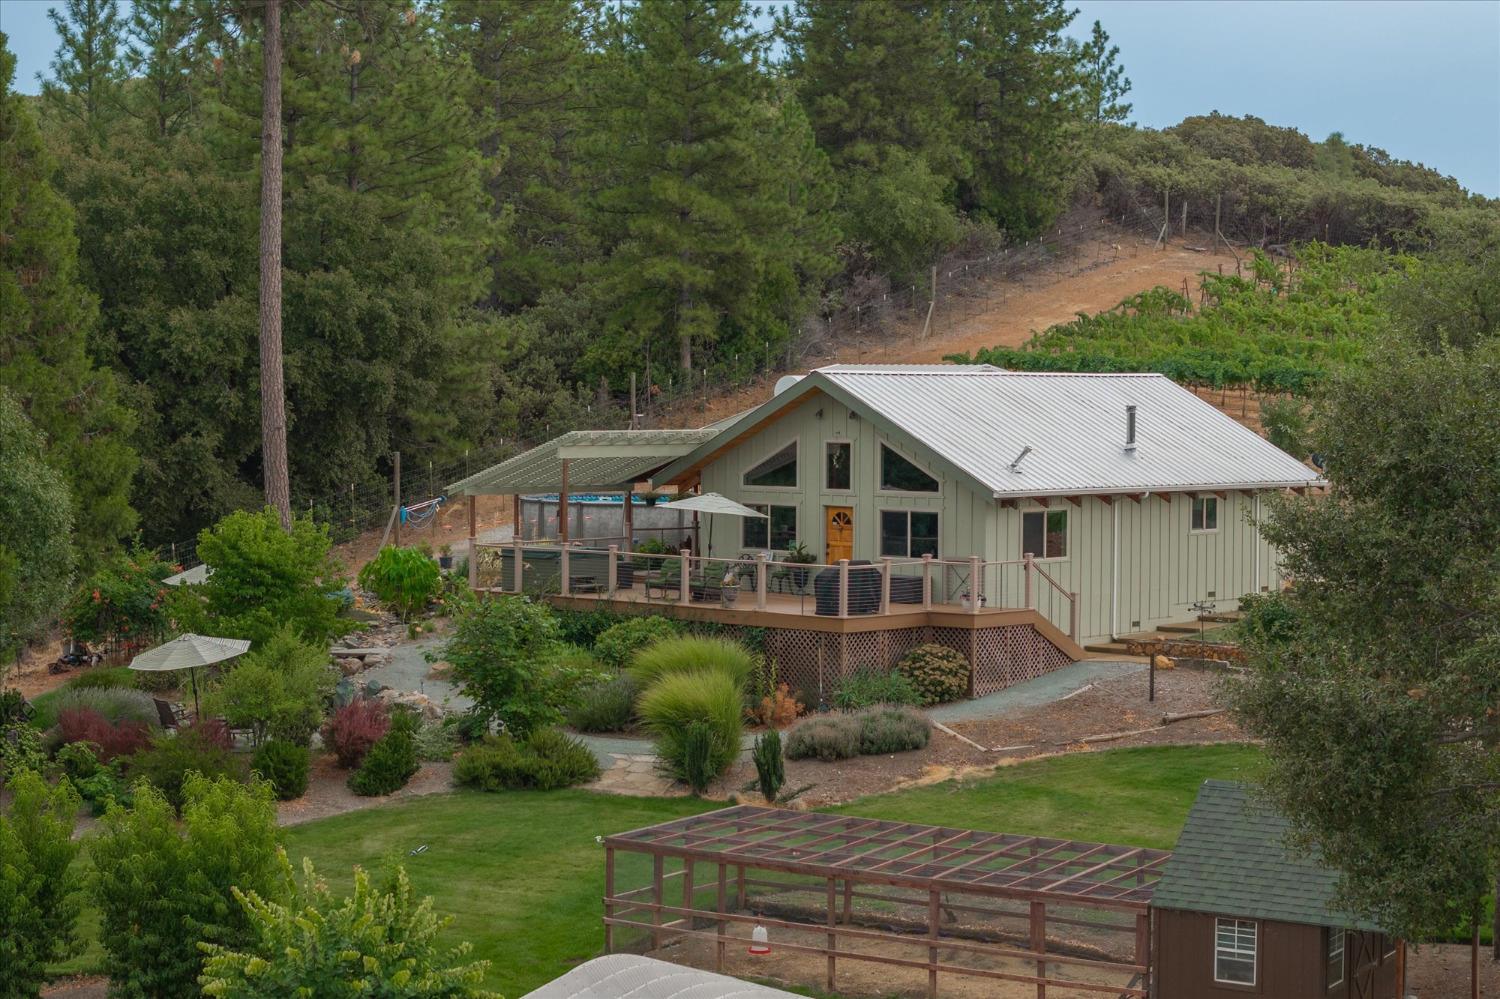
[[778, 709], [38, 881], [436, 742], [1268, 620], [20, 751], [770, 770], [160, 888], [868, 686], [697, 756], [505, 656], [99, 784], [380, 937], [113, 703], [105, 678], [618, 644], [824, 737], [112, 738], [690, 653], [391, 762], [124, 600], [937, 673], [549, 759], [284, 766], [354, 728], [172, 760], [676, 700], [404, 579], [605, 707], [583, 627], [278, 690], [891, 728]]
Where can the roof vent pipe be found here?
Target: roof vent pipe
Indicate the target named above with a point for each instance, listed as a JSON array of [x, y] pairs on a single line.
[[1130, 427], [1015, 466]]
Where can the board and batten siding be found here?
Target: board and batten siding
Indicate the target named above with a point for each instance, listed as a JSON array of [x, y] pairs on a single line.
[[964, 520]]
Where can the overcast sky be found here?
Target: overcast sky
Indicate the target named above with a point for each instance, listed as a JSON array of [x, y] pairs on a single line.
[[1417, 78]]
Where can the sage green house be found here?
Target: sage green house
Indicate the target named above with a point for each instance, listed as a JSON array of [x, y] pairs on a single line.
[[1126, 489]]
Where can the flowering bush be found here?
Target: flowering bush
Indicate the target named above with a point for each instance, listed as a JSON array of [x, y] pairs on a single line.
[[938, 673], [124, 601], [113, 738], [355, 728]]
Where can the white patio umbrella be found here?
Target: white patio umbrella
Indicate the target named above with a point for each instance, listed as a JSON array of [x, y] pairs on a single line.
[[189, 652], [711, 503]]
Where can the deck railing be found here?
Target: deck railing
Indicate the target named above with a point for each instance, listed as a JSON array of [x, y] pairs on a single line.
[[841, 589]]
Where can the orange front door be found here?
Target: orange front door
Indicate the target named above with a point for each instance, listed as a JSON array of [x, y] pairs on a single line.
[[839, 533]]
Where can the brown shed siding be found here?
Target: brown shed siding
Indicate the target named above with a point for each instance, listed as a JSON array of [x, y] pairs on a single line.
[[1289, 962]]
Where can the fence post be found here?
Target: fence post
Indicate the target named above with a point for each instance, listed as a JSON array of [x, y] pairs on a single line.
[[761, 565], [927, 582], [1073, 616], [1030, 594], [562, 561], [684, 591], [613, 571], [976, 584], [885, 586], [518, 564], [843, 587]]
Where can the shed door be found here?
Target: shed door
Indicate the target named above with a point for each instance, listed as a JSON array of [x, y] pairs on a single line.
[[1364, 963], [839, 533]]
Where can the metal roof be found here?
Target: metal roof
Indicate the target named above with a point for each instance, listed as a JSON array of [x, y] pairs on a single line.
[[599, 461], [627, 976], [977, 418], [1231, 860]]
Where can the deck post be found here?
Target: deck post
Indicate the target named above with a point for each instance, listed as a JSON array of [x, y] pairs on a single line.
[[473, 546], [685, 592], [629, 516], [843, 587], [833, 937], [934, 915], [613, 575], [762, 560], [1030, 563], [1039, 944], [562, 566], [885, 586], [609, 894], [1073, 615], [976, 583], [927, 582]]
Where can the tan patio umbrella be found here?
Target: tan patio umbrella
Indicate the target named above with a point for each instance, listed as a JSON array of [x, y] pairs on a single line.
[[189, 652], [711, 503]]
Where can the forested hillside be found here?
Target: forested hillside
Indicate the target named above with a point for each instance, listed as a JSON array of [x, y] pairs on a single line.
[[495, 214]]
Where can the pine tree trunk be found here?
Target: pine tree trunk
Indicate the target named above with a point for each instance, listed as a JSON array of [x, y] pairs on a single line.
[[272, 386]]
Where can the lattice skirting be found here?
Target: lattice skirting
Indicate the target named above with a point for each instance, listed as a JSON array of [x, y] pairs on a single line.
[[813, 662]]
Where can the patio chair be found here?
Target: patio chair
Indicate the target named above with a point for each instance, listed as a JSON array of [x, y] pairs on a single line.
[[169, 715]]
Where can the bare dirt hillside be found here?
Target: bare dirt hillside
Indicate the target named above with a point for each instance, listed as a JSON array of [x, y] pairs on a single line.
[[1092, 278]]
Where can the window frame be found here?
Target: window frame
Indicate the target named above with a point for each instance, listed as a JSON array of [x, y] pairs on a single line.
[[796, 509], [907, 511], [845, 443], [1236, 953], [796, 445], [1328, 954], [880, 473], [1067, 533], [1193, 514]]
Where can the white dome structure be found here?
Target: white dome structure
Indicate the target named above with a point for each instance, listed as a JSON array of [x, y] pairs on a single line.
[[626, 976]]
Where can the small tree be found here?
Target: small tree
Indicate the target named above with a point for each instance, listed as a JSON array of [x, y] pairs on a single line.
[[124, 600], [38, 899], [379, 941], [160, 889], [279, 689]]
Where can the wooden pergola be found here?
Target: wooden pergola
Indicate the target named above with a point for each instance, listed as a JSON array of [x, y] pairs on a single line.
[[1027, 910]]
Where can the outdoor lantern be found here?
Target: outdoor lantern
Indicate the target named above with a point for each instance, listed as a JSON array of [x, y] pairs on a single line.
[[760, 941]]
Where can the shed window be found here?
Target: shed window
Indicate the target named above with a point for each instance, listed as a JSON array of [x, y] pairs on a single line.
[[837, 465], [1205, 513], [779, 531], [1335, 956], [1234, 951], [1044, 533], [899, 475], [908, 533], [778, 470]]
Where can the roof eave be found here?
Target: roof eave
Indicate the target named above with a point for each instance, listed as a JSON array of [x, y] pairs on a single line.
[[1117, 490]]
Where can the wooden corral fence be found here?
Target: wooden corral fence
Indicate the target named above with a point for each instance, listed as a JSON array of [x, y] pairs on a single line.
[[1026, 914]]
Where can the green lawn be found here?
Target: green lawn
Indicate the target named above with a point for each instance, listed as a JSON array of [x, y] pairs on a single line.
[[522, 875]]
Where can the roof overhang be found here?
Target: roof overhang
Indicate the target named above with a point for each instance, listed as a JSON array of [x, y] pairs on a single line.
[[595, 461]]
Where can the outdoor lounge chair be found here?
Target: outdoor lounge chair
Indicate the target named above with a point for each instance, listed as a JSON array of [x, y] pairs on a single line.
[[169, 715]]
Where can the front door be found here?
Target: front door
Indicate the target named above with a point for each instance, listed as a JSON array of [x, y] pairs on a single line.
[[839, 533]]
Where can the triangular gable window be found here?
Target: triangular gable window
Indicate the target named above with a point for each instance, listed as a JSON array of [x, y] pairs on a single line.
[[901, 476], [778, 470]]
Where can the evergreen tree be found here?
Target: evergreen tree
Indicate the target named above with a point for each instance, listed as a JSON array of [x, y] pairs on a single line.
[[45, 318], [1102, 79], [158, 54], [36, 521], [88, 69]]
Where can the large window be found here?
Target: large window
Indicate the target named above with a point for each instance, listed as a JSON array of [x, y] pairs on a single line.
[[908, 533], [779, 470], [1044, 533], [838, 465], [1205, 513], [777, 530], [1335, 956], [1234, 951], [898, 475]]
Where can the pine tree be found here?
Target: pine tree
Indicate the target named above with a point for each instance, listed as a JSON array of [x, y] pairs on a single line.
[[275, 473], [88, 69], [45, 318], [1102, 79], [158, 54], [36, 521]]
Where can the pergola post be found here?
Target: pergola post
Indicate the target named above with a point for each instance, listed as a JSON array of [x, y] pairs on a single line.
[[473, 546], [562, 505], [613, 574], [628, 498], [518, 564], [515, 516]]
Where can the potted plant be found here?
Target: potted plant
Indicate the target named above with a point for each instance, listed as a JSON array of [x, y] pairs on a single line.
[[797, 554], [729, 587], [445, 557]]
